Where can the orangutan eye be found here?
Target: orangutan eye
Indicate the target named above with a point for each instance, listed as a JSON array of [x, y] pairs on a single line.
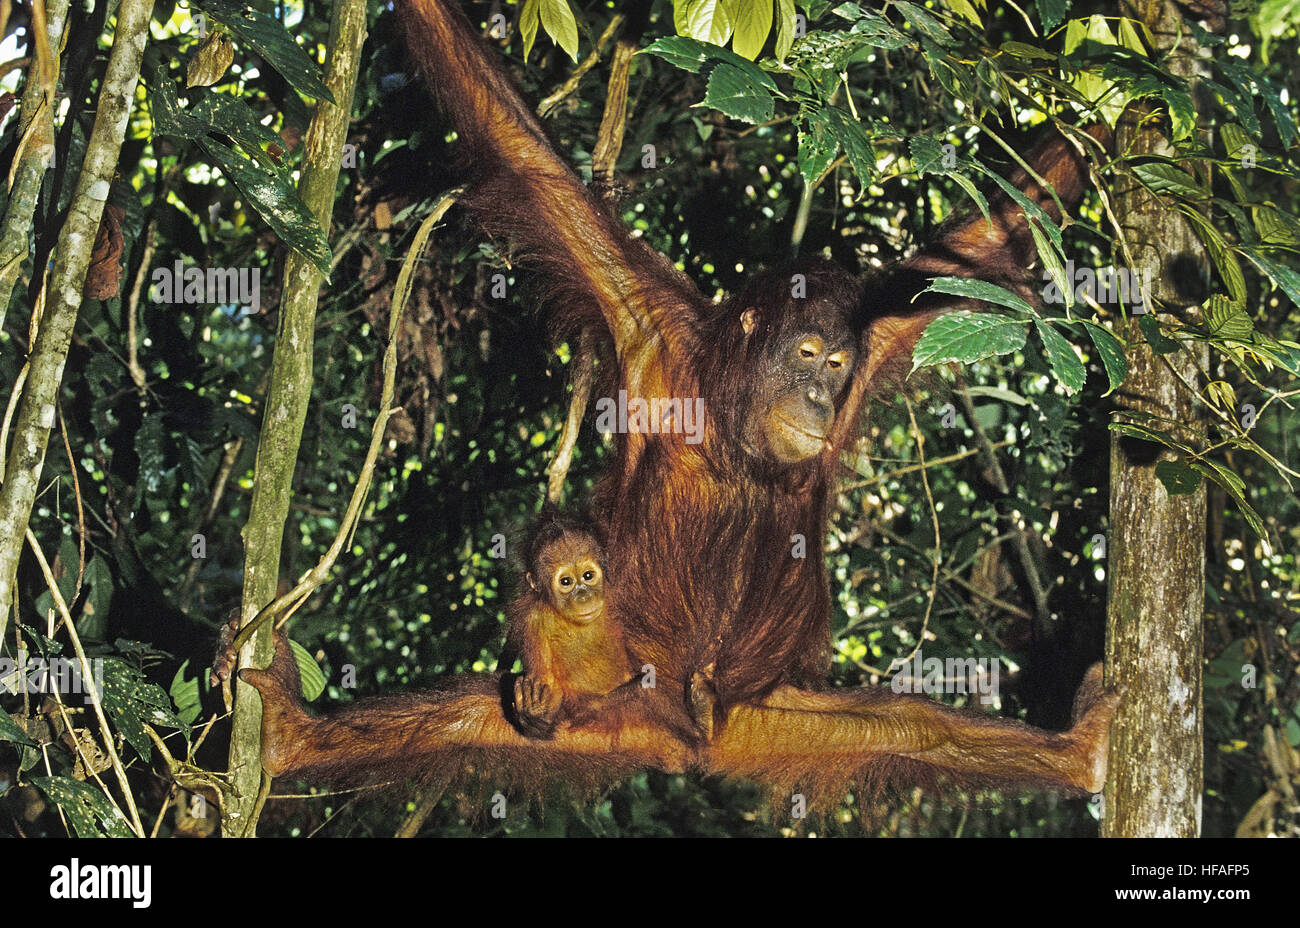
[[808, 350], [566, 581], [835, 361], [588, 576]]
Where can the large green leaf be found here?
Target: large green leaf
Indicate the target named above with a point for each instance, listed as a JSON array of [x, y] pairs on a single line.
[[1285, 277], [267, 36], [1225, 260], [785, 26], [855, 141], [925, 24], [753, 23], [309, 672], [965, 337], [817, 147], [1178, 478], [1163, 177], [276, 201], [557, 20], [1065, 364], [733, 92], [88, 810], [980, 290], [1111, 353], [705, 20], [129, 702]]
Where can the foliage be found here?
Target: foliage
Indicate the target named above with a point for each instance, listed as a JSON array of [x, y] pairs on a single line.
[[852, 132]]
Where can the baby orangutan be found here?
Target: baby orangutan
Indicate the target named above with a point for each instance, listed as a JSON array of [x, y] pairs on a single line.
[[575, 662]]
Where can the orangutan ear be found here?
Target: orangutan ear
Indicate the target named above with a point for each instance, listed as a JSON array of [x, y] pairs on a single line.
[[749, 321], [529, 577]]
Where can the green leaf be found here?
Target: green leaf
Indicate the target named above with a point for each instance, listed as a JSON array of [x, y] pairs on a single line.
[[1051, 259], [1030, 208], [1129, 38], [1029, 52], [733, 92], [692, 55], [129, 701], [313, 681], [168, 116], [964, 9], [1159, 342], [1111, 353], [12, 731], [979, 290], [1162, 177], [1236, 488], [1286, 128], [268, 37], [966, 337], [753, 23], [785, 23], [998, 393], [974, 192], [681, 52], [878, 32], [1276, 227], [529, 19], [185, 695], [557, 20], [233, 117], [1227, 320], [1051, 12], [1065, 364], [1178, 478], [99, 594], [927, 155], [88, 810], [1182, 112], [705, 20], [855, 141], [817, 147], [924, 23], [1225, 260], [276, 201], [1285, 277], [1235, 139]]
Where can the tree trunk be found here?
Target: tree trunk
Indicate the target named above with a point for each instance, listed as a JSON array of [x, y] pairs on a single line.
[[285, 409], [62, 292], [1156, 566]]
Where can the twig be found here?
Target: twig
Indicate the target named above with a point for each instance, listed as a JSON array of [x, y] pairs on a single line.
[[318, 574], [934, 462], [568, 87]]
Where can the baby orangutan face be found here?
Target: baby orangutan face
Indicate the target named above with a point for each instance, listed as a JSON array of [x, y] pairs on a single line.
[[570, 566]]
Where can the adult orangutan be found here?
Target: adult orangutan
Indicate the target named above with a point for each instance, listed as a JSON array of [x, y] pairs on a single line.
[[699, 526]]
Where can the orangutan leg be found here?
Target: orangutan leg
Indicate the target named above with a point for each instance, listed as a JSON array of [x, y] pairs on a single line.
[[800, 735], [461, 725]]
